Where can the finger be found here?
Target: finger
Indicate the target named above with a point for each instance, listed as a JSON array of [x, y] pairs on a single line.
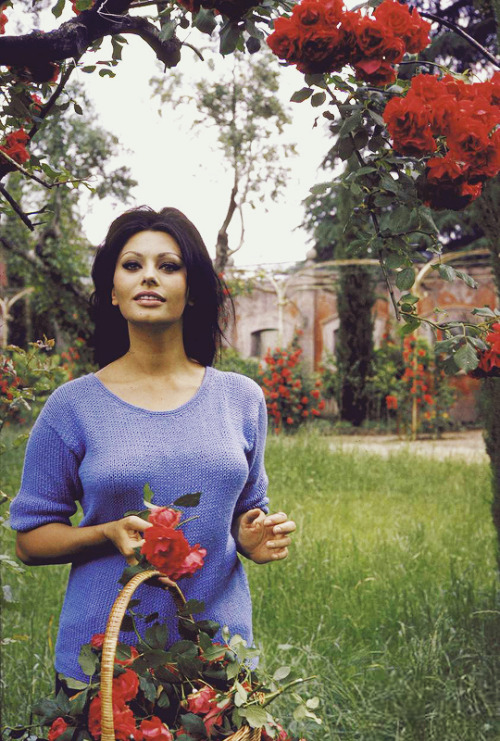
[[252, 516], [279, 543], [137, 523], [287, 527], [280, 555], [275, 519]]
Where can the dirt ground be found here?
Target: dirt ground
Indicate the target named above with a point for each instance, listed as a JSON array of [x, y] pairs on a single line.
[[467, 445]]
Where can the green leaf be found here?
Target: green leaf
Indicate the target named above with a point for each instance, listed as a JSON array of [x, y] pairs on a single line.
[[466, 357], [47, 711], [467, 279], [281, 673], [88, 660], [188, 500], [255, 715], [400, 218], [77, 108], [204, 21], [351, 123], [147, 493], [157, 635], [484, 311], [320, 189], [405, 279], [194, 724], [229, 37], [106, 73], [312, 703], [129, 572], [393, 261], [300, 95], [167, 30], [210, 627], [75, 684], [78, 702], [193, 607], [58, 8], [318, 99], [318, 80], [89, 68], [345, 148], [376, 117], [148, 687], [446, 272], [411, 324], [253, 45]]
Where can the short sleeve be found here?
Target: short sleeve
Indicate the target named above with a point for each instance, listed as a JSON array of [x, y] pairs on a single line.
[[50, 485], [254, 493]]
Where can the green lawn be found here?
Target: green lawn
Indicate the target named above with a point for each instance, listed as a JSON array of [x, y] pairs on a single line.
[[389, 597]]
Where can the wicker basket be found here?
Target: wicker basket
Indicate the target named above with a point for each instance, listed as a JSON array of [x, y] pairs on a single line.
[[108, 658]]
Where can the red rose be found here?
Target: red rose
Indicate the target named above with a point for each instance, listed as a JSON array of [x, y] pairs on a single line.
[[202, 701], [407, 120], [97, 640], [123, 719], [284, 41], [214, 716], [126, 685], [15, 147], [468, 139], [396, 16], [165, 516], [322, 49], [165, 548], [155, 730], [371, 35], [192, 563], [309, 13], [416, 37], [57, 727], [375, 71], [3, 21]]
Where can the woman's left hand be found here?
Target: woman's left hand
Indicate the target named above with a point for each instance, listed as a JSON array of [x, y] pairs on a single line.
[[264, 538]]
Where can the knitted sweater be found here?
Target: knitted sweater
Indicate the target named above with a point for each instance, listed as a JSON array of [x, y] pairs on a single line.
[[89, 445]]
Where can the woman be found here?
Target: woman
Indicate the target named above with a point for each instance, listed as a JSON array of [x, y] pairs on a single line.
[[155, 413]]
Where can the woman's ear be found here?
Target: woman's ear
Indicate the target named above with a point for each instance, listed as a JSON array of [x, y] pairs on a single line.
[[113, 297]]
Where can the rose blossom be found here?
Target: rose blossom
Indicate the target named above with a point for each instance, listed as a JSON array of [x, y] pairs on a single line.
[[202, 701], [126, 685], [97, 640], [165, 516], [155, 730], [57, 727], [407, 121], [123, 719], [191, 564], [165, 548]]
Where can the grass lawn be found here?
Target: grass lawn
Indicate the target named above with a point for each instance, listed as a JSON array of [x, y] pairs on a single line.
[[390, 597]]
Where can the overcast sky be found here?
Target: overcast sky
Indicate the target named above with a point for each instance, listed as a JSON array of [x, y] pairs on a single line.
[[176, 165], [180, 166]]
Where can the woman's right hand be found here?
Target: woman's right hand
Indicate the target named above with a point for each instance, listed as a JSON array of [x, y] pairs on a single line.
[[126, 535]]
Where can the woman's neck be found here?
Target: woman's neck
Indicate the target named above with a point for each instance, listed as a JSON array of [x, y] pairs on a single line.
[[156, 353]]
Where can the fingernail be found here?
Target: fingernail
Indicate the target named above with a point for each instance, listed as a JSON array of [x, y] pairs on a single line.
[[277, 529], [270, 544]]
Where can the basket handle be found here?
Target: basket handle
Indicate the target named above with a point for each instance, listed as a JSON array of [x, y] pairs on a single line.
[[111, 641], [109, 651]]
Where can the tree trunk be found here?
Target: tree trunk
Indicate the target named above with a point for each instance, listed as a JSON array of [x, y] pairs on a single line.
[[490, 392], [354, 346]]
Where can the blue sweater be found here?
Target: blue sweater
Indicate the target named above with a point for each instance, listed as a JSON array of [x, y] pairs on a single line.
[[89, 445]]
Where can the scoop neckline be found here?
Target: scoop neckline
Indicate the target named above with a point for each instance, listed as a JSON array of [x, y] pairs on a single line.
[[193, 400]]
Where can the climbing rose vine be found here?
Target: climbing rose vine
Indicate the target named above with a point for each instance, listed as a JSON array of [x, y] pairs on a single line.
[[456, 122], [322, 37]]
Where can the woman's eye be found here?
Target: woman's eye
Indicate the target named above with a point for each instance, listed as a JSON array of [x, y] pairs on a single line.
[[170, 267], [131, 265]]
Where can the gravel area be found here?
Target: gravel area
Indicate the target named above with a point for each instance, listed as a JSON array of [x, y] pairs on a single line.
[[468, 445]]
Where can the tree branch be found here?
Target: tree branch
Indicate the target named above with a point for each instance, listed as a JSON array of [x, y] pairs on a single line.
[[38, 51], [460, 32], [17, 208]]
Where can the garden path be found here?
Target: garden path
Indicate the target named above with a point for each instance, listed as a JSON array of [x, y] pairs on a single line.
[[467, 445]]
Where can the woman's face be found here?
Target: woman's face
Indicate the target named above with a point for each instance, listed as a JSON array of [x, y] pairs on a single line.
[[150, 280]]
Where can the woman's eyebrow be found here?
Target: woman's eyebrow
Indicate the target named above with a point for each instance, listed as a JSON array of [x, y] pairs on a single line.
[[160, 256]]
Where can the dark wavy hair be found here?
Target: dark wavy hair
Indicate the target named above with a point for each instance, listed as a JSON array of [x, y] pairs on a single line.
[[202, 322]]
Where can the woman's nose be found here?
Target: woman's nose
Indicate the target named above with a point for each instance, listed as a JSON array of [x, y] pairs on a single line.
[[149, 278]]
